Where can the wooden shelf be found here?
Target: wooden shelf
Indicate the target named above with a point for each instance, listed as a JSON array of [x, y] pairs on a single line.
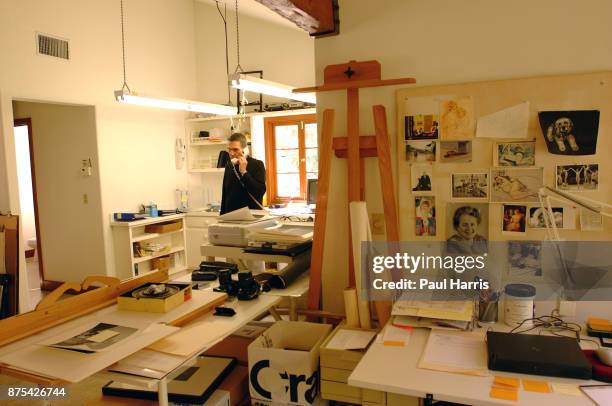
[[150, 236], [138, 260], [208, 143], [207, 170]]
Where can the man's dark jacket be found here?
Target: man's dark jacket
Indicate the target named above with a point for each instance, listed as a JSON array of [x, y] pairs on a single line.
[[235, 188]]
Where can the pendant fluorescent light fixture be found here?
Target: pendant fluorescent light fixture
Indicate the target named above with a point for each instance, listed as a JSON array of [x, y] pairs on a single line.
[[239, 80], [253, 84], [129, 97], [125, 95]]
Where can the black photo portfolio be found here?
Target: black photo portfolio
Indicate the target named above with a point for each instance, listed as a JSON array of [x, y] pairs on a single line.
[[193, 383], [537, 355]]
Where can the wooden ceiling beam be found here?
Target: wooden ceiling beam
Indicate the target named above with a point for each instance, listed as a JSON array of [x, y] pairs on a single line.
[[317, 17]]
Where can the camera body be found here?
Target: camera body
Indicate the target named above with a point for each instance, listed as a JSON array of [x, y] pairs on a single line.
[[245, 288]]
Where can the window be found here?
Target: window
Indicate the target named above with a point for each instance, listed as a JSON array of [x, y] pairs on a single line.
[[291, 156]]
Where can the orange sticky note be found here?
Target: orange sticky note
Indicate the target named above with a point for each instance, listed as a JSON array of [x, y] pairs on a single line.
[[503, 393], [393, 343], [536, 386], [600, 324], [506, 381]]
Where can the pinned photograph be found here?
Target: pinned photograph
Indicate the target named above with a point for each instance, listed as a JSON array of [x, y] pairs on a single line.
[[421, 178], [524, 258], [455, 151], [425, 216], [515, 153], [516, 184], [420, 151], [421, 127], [590, 220], [577, 177], [467, 228], [457, 119], [470, 186], [514, 218], [570, 132], [537, 217]]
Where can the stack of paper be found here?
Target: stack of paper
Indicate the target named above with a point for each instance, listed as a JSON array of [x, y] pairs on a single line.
[[455, 351], [282, 233], [448, 314]]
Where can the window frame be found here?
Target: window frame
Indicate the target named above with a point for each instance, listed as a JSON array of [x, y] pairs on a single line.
[[270, 123]]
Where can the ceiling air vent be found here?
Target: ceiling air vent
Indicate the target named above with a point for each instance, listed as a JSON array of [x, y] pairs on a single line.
[[52, 46]]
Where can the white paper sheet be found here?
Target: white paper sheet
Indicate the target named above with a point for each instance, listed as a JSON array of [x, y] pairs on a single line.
[[590, 221], [600, 394], [74, 366], [455, 352], [243, 214], [512, 122], [148, 363], [351, 340]]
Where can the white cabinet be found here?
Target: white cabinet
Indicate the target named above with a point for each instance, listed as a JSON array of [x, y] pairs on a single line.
[[197, 224], [139, 249]]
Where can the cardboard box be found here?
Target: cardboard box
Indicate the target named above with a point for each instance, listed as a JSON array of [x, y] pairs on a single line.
[[131, 301], [161, 263], [394, 399], [336, 366], [232, 346], [260, 402], [340, 392], [341, 359], [161, 228], [284, 363], [236, 385]]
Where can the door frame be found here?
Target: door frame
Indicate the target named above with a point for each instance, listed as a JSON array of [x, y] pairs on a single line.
[[46, 285]]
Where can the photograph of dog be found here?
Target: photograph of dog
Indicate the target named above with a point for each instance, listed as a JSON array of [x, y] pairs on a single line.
[[570, 132]]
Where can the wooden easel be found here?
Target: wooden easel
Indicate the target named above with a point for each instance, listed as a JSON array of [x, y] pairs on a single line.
[[351, 77]]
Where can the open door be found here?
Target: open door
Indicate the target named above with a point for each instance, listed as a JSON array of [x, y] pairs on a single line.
[[26, 176]]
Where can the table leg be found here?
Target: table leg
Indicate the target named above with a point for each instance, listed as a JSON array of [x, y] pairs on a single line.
[[275, 314], [293, 316], [162, 392]]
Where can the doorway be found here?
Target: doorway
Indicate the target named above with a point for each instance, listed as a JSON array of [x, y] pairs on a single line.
[[26, 177]]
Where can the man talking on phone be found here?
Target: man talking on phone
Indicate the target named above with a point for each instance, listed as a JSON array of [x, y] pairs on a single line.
[[244, 180]]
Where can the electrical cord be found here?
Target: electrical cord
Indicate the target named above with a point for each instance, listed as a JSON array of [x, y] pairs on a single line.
[[553, 325], [229, 162], [224, 18], [125, 85]]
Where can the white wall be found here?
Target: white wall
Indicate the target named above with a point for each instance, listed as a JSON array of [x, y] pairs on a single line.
[[72, 238], [136, 145], [285, 55], [439, 42]]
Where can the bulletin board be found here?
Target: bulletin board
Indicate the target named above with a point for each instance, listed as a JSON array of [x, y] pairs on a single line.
[[547, 93]]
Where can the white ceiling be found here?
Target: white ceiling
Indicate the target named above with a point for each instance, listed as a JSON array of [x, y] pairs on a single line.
[[254, 9]]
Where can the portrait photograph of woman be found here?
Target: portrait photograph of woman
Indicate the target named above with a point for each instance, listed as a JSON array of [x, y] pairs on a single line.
[[467, 228]]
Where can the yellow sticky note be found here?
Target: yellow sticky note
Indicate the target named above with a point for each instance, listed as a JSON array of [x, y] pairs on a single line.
[[503, 393], [506, 381], [566, 389], [536, 386]]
